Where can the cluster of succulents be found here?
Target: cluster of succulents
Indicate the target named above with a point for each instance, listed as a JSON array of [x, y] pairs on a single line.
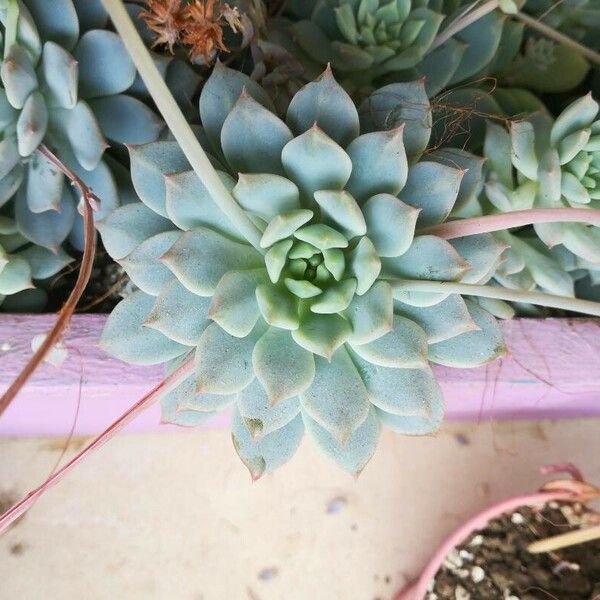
[[63, 86], [307, 331], [541, 163]]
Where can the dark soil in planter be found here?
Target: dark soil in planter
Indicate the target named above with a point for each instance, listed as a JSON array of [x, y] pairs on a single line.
[[494, 564]]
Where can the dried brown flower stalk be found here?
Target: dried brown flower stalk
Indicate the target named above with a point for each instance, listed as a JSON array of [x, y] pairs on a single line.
[[166, 19]]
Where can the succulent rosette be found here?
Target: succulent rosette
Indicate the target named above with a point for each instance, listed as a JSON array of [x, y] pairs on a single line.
[[307, 331], [538, 163], [63, 84]]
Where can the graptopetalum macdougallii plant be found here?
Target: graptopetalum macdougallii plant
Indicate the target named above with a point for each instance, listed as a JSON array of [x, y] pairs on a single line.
[[62, 86], [541, 163], [306, 331]]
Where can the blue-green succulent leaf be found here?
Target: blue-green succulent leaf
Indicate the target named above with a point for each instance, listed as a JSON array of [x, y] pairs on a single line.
[[441, 322], [149, 165], [415, 425], [358, 450], [482, 252], [18, 76], [113, 74], [49, 228], [120, 238], [390, 224], [223, 361], [278, 307], [321, 236], [284, 225], [126, 120], [473, 348], [143, 265], [364, 265], [219, 95], [56, 21], [60, 72], [234, 306], [269, 452], [283, 368], [327, 104], [258, 150], [44, 187], [126, 336], [371, 315], [11, 183], [322, 334], [404, 347], [266, 195], [9, 156], [336, 298], [578, 115], [313, 161], [429, 258], [498, 149], [337, 399], [179, 314], [523, 155], [32, 124], [341, 210], [43, 262], [433, 188], [200, 258], [189, 205], [85, 136], [91, 14], [378, 164], [439, 65], [260, 415]]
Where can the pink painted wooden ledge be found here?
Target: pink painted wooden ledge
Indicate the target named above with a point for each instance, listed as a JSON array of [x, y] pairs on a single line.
[[553, 371]]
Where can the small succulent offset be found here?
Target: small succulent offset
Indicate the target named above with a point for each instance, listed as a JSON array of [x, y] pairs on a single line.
[[307, 331], [538, 163], [62, 86]]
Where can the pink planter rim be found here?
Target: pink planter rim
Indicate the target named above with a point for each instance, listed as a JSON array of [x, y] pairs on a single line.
[[552, 371]]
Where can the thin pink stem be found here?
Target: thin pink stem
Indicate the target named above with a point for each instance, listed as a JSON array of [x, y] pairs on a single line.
[[418, 590], [517, 218], [150, 398]]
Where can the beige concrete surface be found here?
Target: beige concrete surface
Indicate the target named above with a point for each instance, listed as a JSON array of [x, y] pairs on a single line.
[[175, 516]]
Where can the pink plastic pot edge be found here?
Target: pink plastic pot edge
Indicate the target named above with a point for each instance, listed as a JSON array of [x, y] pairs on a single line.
[[418, 590]]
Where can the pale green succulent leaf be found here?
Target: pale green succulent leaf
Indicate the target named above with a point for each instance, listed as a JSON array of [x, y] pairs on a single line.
[[200, 258], [337, 399], [549, 176], [143, 265], [313, 161], [126, 119], [266, 195], [441, 322], [219, 95], [582, 240], [578, 115], [120, 238], [49, 228], [390, 224], [364, 264], [60, 72], [313, 41], [327, 104], [573, 190], [265, 135], [260, 415], [111, 75], [15, 276], [482, 252], [284, 225], [404, 347], [499, 308], [283, 368], [322, 334], [18, 76], [335, 262], [126, 337], [336, 298], [178, 314], [396, 104], [429, 258], [498, 151], [439, 65], [371, 315], [189, 205], [415, 425], [379, 164], [356, 452], [269, 452], [43, 262], [346, 57], [234, 306], [223, 361], [278, 307], [573, 144], [321, 236], [473, 348], [341, 210], [301, 288], [523, 155], [276, 257]]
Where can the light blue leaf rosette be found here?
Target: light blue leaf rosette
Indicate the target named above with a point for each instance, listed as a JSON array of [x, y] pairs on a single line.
[[306, 332]]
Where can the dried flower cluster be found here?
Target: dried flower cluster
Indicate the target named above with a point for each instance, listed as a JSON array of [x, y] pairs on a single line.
[[197, 25]]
